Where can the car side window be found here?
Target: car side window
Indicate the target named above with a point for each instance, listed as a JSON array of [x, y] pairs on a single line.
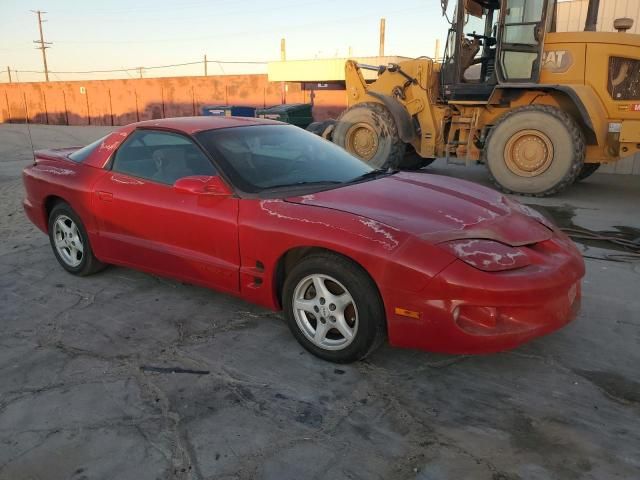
[[162, 157], [164, 139]]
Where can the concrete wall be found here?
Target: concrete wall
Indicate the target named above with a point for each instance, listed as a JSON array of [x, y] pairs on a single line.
[[118, 102]]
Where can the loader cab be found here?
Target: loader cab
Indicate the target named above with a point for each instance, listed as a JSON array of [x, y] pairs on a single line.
[[492, 42]]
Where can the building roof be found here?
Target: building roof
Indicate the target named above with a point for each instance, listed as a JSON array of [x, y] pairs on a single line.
[[324, 69]]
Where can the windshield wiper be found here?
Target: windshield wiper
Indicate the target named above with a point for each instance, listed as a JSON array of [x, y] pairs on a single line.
[[376, 173], [302, 184]]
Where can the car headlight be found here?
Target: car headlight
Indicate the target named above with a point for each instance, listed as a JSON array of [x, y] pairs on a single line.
[[488, 255]]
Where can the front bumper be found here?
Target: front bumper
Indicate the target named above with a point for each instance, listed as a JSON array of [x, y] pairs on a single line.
[[464, 310]]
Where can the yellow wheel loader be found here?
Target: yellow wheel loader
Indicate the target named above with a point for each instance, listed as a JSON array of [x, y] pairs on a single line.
[[540, 109]]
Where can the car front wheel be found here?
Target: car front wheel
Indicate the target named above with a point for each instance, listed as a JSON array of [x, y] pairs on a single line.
[[333, 308]]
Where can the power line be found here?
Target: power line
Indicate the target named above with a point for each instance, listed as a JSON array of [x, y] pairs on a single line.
[[130, 69], [137, 69], [43, 45]]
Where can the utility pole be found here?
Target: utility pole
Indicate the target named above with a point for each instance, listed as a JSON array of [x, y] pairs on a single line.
[[9, 72], [283, 58], [381, 50], [205, 65], [43, 45], [140, 71], [283, 50]]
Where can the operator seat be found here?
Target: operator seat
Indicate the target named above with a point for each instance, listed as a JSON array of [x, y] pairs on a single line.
[[468, 51]]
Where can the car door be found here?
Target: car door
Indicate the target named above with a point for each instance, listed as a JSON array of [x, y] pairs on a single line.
[[145, 222]]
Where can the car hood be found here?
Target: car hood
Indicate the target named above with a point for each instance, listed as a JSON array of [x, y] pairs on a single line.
[[435, 208]]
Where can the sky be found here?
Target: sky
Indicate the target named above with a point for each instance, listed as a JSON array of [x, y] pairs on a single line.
[[101, 35]]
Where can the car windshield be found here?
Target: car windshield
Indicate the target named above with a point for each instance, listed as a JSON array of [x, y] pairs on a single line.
[[270, 157], [81, 154]]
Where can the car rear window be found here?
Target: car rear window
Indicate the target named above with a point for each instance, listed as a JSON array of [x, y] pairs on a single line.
[[81, 154]]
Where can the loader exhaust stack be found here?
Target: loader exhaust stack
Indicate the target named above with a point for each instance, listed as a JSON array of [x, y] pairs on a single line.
[[592, 16]]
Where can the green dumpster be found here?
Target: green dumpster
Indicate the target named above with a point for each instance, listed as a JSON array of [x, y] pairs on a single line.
[[228, 111], [298, 114]]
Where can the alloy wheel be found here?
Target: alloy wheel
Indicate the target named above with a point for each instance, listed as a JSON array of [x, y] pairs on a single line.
[[325, 312], [68, 241]]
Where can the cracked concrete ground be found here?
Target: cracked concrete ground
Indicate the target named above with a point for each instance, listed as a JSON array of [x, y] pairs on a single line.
[[75, 403]]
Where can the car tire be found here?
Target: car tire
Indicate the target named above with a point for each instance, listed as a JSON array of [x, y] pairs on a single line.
[[587, 170], [369, 132], [537, 150], [70, 242], [326, 296]]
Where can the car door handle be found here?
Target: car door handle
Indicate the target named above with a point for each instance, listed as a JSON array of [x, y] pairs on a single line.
[[105, 196]]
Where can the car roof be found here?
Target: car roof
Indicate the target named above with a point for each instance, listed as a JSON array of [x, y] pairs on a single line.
[[193, 125]]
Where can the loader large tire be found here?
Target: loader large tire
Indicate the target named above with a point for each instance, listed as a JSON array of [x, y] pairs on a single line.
[[534, 150], [368, 131], [322, 129], [588, 169]]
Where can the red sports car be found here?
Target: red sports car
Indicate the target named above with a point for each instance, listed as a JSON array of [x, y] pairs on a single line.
[[285, 219]]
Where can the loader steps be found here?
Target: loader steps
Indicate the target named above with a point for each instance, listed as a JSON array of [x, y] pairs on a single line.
[[460, 140]]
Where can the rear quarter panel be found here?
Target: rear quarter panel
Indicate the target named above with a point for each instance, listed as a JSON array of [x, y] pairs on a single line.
[[70, 181], [64, 179]]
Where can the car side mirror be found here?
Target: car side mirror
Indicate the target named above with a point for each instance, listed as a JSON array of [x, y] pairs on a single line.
[[203, 185]]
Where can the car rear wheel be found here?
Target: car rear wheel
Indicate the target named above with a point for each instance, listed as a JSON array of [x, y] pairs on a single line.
[[70, 242], [333, 308]]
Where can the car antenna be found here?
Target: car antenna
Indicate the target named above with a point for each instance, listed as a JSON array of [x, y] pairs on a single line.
[[26, 121]]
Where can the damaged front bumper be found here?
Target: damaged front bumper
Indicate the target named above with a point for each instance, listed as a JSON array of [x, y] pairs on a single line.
[[465, 310]]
